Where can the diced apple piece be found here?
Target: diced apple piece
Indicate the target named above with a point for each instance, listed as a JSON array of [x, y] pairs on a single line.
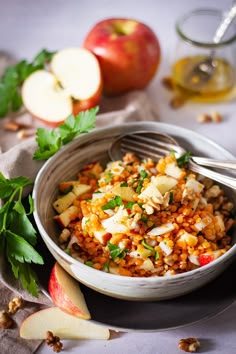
[[67, 216], [62, 203], [147, 265], [66, 294], [126, 193], [173, 170], [62, 325], [151, 191], [79, 189], [164, 183], [116, 223], [194, 185]]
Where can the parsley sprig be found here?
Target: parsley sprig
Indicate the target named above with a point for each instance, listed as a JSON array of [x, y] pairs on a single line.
[[13, 78], [50, 141], [17, 234]]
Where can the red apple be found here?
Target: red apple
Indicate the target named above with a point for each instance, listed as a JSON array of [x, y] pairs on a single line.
[[73, 84], [60, 324], [66, 294], [128, 52]]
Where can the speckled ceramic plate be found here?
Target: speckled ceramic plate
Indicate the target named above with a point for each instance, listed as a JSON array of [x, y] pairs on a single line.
[[148, 316]]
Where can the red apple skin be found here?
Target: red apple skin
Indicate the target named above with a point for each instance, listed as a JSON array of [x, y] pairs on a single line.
[[128, 52], [77, 107], [59, 297]]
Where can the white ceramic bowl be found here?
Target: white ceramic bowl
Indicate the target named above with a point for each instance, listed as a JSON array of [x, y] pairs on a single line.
[[94, 147]]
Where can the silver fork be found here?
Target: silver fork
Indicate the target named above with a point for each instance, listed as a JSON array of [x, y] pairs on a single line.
[[156, 145]]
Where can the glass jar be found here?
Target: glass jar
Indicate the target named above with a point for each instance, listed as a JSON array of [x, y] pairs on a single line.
[[195, 44]]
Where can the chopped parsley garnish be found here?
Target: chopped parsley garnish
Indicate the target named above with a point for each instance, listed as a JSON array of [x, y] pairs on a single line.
[[143, 175], [184, 159], [129, 205], [114, 202], [106, 267], [108, 176], [89, 263], [144, 218], [124, 184], [150, 248], [116, 251]]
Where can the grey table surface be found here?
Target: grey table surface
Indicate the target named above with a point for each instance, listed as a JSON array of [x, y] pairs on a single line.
[[26, 26]]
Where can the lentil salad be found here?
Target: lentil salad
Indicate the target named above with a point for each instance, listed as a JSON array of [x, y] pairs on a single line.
[[140, 218]]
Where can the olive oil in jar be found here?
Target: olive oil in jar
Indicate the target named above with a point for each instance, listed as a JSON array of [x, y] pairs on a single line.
[[217, 88]]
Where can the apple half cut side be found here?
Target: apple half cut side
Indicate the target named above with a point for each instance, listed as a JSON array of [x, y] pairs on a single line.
[[73, 84], [66, 294], [45, 99], [61, 324]]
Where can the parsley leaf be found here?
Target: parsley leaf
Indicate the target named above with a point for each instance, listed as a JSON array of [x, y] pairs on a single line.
[[114, 202], [17, 234], [50, 141], [13, 78], [116, 251], [184, 159]]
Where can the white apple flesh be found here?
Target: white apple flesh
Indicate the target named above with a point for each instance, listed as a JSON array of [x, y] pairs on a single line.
[[73, 84], [66, 294], [78, 72], [62, 325], [44, 98]]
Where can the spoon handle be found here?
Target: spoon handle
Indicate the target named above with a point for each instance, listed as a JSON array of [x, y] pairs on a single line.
[[228, 18]]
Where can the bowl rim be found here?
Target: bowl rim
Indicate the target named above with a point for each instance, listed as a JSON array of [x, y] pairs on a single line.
[[108, 276]]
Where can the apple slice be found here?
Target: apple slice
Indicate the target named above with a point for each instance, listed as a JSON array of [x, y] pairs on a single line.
[[61, 324], [66, 294], [73, 84]]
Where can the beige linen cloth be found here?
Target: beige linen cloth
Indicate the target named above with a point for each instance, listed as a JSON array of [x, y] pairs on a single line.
[[16, 160]]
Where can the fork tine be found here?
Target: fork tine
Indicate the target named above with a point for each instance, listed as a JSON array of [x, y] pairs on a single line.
[[152, 141], [143, 148], [151, 144], [140, 152]]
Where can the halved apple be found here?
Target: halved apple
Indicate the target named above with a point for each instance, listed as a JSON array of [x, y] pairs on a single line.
[[66, 294], [73, 84], [61, 324]]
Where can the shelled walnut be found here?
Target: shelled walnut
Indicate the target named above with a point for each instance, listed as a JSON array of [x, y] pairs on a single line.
[[189, 345], [54, 342], [5, 320]]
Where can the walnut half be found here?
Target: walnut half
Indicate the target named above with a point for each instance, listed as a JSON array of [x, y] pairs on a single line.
[[189, 345], [5, 320]]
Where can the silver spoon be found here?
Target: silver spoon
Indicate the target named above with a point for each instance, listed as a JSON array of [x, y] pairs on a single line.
[[205, 69]]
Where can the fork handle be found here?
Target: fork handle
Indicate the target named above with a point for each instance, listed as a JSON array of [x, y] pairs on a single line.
[[227, 164], [223, 179]]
